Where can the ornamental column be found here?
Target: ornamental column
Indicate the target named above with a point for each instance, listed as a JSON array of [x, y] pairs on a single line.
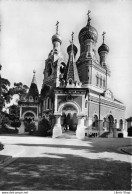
[[57, 131], [80, 132]]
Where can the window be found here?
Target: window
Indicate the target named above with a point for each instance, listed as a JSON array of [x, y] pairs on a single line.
[[70, 81], [30, 98], [36, 98], [100, 81], [49, 69], [95, 121], [97, 80], [48, 103], [103, 83]]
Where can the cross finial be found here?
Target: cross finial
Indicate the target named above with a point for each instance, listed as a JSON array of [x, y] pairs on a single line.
[[34, 71], [88, 13], [57, 27], [103, 36], [88, 16], [72, 36]]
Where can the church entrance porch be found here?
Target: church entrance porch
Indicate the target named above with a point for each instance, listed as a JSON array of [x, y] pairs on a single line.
[[69, 119]]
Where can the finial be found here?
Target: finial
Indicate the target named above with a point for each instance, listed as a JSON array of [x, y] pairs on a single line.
[[88, 17], [57, 27], [103, 36], [72, 36], [34, 71]]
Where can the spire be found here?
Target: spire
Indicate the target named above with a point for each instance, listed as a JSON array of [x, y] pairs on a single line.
[[72, 52], [34, 77], [72, 73], [33, 90]]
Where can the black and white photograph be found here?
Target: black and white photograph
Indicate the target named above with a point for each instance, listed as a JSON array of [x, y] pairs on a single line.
[[65, 96]]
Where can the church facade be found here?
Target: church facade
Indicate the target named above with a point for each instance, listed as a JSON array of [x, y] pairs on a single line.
[[75, 94]]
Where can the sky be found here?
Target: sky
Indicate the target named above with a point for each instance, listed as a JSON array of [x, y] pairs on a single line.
[[28, 25]]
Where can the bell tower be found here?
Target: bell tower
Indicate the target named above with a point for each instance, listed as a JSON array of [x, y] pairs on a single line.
[[55, 62]]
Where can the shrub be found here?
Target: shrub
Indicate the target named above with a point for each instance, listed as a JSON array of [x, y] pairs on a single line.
[[43, 128], [16, 123], [30, 127]]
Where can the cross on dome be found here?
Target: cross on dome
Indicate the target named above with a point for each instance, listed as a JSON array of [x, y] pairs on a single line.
[[103, 36], [88, 16], [57, 27], [72, 36]]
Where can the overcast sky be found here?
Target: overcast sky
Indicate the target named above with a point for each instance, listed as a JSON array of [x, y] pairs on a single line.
[[28, 25]]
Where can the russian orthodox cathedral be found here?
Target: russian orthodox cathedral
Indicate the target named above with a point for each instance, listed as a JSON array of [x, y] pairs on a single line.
[[75, 94]]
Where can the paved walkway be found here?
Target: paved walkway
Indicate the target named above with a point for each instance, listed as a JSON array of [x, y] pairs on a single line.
[[65, 164]]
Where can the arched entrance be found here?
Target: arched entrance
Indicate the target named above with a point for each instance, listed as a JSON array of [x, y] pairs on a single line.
[[110, 123], [29, 117], [69, 119]]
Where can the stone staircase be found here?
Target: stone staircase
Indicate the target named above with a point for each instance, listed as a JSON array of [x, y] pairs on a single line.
[[104, 134]]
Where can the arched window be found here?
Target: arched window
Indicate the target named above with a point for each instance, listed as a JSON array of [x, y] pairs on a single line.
[[115, 123], [95, 121], [48, 103], [30, 98], [70, 81], [36, 98]]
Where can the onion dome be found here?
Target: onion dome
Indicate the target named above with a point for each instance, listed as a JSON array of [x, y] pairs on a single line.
[[88, 32], [56, 37], [103, 47], [70, 47]]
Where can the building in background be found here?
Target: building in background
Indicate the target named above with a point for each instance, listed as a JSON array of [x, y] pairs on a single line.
[[75, 95]]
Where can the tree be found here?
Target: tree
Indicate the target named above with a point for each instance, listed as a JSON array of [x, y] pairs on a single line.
[[5, 92], [14, 111], [19, 89]]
